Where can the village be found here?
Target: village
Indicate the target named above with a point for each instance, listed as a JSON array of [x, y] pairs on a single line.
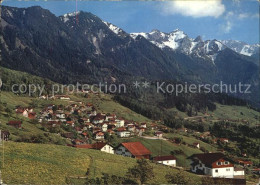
[[86, 128]]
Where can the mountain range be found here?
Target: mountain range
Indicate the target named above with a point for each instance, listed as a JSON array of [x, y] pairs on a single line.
[[80, 47]]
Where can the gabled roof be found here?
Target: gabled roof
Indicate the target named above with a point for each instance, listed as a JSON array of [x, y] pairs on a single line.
[[209, 158], [98, 146], [136, 148], [164, 158]]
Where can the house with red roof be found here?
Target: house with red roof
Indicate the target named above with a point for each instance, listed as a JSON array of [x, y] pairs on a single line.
[[169, 160], [213, 164], [134, 150], [244, 162]]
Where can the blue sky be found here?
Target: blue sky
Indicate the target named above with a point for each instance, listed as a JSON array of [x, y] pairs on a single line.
[[213, 19]]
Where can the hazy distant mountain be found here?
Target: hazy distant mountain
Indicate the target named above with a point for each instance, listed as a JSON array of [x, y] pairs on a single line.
[[242, 47]]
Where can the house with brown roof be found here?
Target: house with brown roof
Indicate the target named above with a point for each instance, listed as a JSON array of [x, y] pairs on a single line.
[[122, 132], [99, 135], [16, 124], [169, 160], [134, 150], [158, 134], [213, 164]]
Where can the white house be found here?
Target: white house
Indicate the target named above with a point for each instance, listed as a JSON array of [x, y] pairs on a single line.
[[122, 132], [239, 172], [108, 149], [104, 127], [134, 150], [99, 136], [103, 147], [213, 164], [166, 160], [120, 123]]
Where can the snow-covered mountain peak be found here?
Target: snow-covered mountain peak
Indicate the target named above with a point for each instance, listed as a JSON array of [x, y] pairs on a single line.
[[178, 40], [67, 16], [113, 28], [242, 47]]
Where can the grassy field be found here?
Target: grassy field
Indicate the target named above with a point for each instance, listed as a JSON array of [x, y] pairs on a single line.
[[236, 112], [50, 164], [162, 147]]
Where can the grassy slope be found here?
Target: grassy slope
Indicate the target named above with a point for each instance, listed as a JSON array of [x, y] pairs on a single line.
[[50, 164], [236, 112], [162, 147]]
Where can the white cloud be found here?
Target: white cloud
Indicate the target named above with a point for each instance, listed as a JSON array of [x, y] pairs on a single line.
[[248, 15], [195, 8], [243, 15], [226, 28]]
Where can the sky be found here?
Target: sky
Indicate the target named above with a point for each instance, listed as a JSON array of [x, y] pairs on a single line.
[[211, 19]]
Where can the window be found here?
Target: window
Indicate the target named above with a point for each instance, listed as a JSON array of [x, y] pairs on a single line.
[[226, 162], [228, 169], [218, 163], [216, 171]]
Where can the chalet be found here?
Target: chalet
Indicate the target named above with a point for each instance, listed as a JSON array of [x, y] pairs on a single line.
[[110, 117], [143, 125], [244, 163], [120, 122], [5, 135], [134, 150], [196, 145], [98, 119], [22, 111], [213, 164], [16, 124], [158, 134], [169, 160], [131, 127], [103, 127], [103, 147], [60, 115], [239, 172], [154, 126], [99, 135], [122, 132]]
